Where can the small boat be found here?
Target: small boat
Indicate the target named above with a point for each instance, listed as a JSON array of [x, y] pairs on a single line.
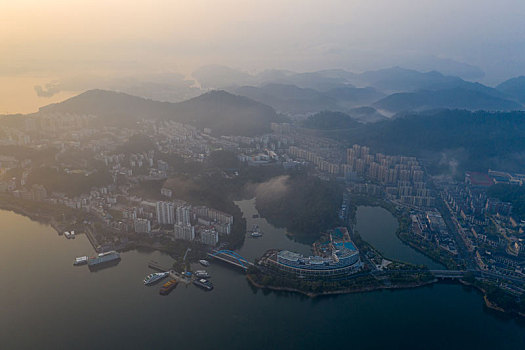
[[67, 234], [72, 234], [204, 262], [201, 274], [204, 284], [256, 232], [168, 287], [81, 260], [154, 277]]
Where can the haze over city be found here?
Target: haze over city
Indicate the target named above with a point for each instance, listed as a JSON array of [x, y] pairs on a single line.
[[80, 45], [262, 174]]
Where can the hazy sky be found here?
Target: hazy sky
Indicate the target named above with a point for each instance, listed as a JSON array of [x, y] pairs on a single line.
[[46, 40]]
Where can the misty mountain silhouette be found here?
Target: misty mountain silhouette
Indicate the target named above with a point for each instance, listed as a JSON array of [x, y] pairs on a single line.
[[224, 113]]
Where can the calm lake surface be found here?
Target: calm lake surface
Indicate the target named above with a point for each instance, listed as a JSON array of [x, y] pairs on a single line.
[[47, 303], [378, 227]]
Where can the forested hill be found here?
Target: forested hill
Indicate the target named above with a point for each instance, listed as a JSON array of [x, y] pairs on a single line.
[[510, 193], [224, 113], [449, 98], [482, 139], [330, 120], [111, 105], [227, 114]]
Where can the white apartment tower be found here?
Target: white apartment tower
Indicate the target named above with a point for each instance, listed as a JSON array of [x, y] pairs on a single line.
[[165, 213]]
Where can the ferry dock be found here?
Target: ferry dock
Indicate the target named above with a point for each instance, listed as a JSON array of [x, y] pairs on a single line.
[[173, 274]]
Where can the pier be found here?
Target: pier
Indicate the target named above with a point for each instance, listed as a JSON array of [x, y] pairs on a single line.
[[157, 266], [91, 237], [173, 274]]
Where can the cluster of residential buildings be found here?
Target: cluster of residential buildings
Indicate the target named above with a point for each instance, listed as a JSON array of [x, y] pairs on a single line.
[[486, 225], [182, 221], [398, 177], [143, 165], [70, 133], [471, 203], [321, 163], [506, 177], [56, 122], [12, 136], [431, 226]]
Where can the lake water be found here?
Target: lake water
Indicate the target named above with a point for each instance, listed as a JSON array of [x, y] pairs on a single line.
[[47, 303], [378, 227]]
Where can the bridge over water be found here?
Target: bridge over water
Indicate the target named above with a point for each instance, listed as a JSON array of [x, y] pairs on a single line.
[[234, 259], [231, 257], [440, 274], [448, 274]]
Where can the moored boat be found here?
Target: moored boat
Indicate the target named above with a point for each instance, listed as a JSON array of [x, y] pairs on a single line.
[[155, 277], [168, 287], [201, 274], [256, 232], [103, 259], [204, 284], [81, 260], [204, 262]]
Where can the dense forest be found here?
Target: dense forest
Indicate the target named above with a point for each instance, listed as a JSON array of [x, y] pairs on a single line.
[[305, 205], [510, 193], [72, 184], [330, 120], [478, 140]]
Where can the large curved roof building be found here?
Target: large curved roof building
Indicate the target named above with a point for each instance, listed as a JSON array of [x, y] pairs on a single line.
[[340, 257]]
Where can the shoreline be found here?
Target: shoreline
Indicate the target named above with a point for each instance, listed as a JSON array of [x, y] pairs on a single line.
[[48, 219], [388, 206], [60, 227], [488, 303], [40, 218], [406, 241], [364, 289], [337, 292]]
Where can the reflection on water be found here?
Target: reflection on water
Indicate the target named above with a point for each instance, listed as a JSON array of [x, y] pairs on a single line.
[[273, 238], [378, 227], [46, 302]]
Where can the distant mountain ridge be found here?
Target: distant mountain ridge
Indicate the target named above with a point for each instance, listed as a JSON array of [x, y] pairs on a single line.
[[224, 113], [289, 99], [392, 90], [514, 87], [294, 100], [455, 98], [388, 80]]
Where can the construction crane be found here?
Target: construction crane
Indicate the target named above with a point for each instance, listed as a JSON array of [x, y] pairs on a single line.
[[185, 254]]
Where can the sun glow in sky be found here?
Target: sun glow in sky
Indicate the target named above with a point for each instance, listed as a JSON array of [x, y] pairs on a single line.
[[46, 40]]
